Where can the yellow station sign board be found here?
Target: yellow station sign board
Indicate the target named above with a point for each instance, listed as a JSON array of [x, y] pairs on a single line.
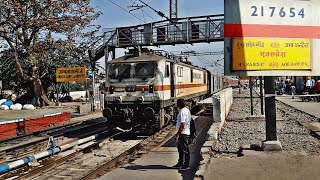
[[69, 74], [270, 54]]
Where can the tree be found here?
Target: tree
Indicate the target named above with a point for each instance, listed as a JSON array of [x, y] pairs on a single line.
[[29, 27]]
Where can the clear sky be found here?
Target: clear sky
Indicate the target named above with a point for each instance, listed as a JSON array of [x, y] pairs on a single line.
[[115, 16]]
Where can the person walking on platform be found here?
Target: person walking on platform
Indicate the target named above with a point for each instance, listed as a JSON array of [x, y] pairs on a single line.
[[292, 89], [313, 82], [182, 135], [316, 88], [308, 84], [282, 87]]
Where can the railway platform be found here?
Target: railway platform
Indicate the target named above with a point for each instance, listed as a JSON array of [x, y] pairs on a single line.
[[310, 107], [20, 122], [291, 163], [157, 164], [15, 123], [299, 158]]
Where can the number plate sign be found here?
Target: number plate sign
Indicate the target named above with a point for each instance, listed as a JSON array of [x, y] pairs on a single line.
[[272, 37]]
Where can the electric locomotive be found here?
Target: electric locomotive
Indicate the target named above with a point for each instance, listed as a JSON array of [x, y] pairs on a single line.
[[142, 88]]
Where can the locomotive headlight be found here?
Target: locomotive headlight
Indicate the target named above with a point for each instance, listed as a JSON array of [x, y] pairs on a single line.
[[111, 89]]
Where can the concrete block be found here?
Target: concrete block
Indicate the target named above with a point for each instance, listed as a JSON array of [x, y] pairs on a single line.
[[84, 108], [315, 126], [256, 118], [216, 109], [213, 133], [209, 144], [251, 153], [205, 150], [203, 166], [271, 146]]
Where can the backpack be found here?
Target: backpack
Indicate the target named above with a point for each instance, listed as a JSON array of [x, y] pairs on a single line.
[[193, 131]]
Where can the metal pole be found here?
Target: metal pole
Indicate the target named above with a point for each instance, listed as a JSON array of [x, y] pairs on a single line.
[[0, 87], [106, 58], [251, 99], [93, 87], [87, 91], [270, 102], [57, 91], [68, 88], [93, 68], [0, 10], [239, 83], [261, 95]]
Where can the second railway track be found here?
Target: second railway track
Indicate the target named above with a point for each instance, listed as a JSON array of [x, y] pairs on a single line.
[[92, 159], [17, 148]]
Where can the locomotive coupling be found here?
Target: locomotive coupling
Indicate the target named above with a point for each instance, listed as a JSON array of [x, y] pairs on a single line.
[[140, 99], [118, 99], [127, 114]]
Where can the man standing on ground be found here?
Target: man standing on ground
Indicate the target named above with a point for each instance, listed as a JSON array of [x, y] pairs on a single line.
[[183, 135], [308, 84]]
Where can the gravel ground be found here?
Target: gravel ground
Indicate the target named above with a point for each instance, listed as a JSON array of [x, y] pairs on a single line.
[[240, 131]]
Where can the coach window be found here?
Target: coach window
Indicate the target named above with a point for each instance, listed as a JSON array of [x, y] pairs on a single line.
[[167, 70], [204, 78], [191, 75], [180, 71]]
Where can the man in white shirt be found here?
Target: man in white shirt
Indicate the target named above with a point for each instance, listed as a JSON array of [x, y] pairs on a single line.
[[182, 135], [308, 84]]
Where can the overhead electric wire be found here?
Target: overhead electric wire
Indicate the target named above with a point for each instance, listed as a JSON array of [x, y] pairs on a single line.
[[126, 10], [201, 59], [158, 12], [144, 11]]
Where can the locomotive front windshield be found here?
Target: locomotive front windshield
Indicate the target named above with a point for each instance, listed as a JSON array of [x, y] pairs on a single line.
[[135, 70], [144, 70], [119, 71]]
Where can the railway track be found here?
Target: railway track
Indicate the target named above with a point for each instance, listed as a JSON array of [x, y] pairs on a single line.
[[18, 148], [89, 160], [93, 159], [294, 113]]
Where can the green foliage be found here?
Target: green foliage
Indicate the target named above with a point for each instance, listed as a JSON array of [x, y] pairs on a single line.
[[46, 34]]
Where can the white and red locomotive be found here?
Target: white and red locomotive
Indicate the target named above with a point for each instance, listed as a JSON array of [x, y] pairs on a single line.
[[142, 88]]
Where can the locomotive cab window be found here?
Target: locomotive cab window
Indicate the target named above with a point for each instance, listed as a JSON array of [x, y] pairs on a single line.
[[144, 69], [191, 75], [167, 70], [119, 71], [204, 78], [180, 71]]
